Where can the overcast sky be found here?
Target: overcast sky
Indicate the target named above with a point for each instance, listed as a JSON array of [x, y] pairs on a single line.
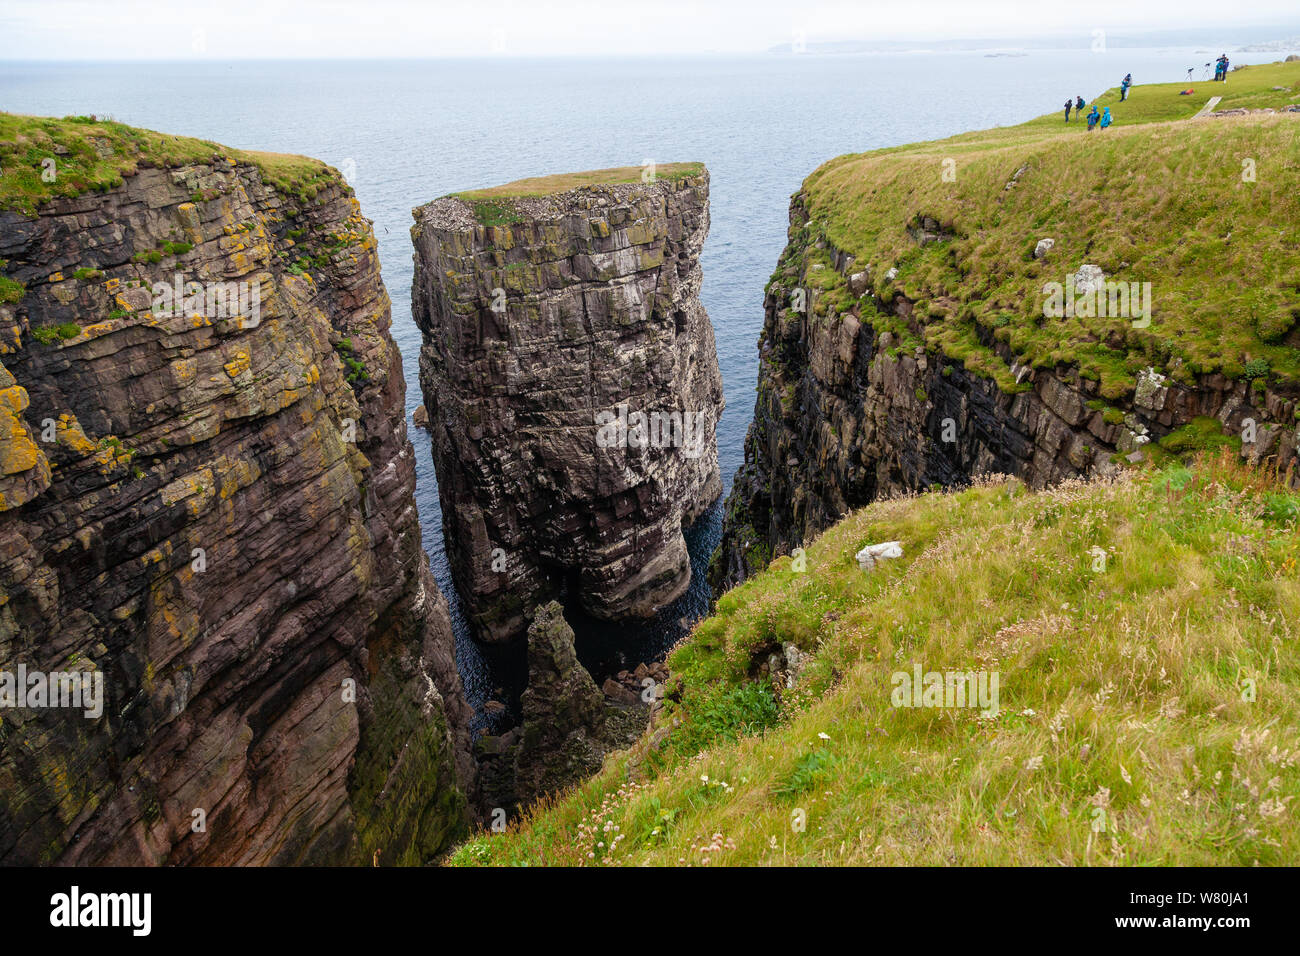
[[235, 29]]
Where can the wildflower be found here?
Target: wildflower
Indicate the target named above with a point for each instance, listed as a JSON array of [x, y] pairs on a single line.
[[1273, 808]]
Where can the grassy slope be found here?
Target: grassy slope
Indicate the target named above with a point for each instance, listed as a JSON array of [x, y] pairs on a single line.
[[97, 153], [1154, 199], [1121, 691]]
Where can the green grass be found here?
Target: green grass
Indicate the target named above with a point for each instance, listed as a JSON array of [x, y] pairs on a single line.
[[565, 182], [489, 213], [50, 334], [42, 158], [1156, 199], [1147, 712], [11, 290], [356, 370]]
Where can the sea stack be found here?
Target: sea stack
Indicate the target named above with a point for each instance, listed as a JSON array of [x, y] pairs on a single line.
[[572, 385]]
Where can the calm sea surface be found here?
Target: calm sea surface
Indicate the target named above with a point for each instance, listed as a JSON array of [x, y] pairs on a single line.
[[406, 132]]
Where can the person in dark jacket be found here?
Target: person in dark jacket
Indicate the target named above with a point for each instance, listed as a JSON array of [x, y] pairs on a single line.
[[1123, 87], [1069, 104], [1079, 104]]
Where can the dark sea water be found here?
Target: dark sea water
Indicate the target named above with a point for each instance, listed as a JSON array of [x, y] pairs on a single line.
[[405, 132]]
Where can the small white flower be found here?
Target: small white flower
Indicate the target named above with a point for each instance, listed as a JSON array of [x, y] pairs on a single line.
[[1034, 763]]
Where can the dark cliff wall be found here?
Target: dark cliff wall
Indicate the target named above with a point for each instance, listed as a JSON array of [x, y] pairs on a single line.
[[596, 308], [217, 515], [843, 415]]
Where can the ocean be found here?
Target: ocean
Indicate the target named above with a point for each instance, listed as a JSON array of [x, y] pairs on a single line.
[[408, 131]]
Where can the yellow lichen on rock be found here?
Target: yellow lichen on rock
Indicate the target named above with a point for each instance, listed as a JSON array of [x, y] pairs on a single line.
[[238, 364], [67, 431], [18, 453], [111, 454], [183, 371], [100, 328], [188, 214]]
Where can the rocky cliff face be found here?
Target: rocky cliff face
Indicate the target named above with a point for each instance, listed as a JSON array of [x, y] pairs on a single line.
[[212, 507], [572, 385], [568, 724], [843, 415]]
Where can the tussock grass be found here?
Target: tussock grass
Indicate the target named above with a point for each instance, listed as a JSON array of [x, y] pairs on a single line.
[[1148, 703]]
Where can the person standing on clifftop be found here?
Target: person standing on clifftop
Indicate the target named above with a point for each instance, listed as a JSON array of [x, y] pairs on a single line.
[[1105, 117], [1093, 118], [1123, 87], [1078, 104], [1068, 105]]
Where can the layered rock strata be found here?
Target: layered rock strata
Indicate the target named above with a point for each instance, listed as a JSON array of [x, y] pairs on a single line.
[[572, 386], [210, 508]]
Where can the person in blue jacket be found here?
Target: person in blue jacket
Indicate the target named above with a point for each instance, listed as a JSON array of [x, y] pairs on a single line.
[[1093, 118], [1105, 117]]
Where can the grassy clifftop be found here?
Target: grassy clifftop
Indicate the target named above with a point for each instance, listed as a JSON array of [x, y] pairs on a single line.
[[1206, 210], [1143, 633], [42, 158]]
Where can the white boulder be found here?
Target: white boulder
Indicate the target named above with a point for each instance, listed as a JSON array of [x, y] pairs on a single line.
[[872, 553]]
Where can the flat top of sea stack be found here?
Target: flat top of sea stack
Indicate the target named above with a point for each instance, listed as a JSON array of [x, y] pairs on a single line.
[[544, 198], [567, 182]]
